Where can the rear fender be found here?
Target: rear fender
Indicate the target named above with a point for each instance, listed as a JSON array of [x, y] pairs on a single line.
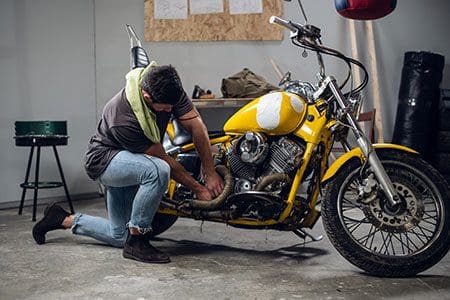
[[356, 153]]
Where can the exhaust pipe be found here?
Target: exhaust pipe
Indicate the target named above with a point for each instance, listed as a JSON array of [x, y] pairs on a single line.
[[271, 179], [216, 202]]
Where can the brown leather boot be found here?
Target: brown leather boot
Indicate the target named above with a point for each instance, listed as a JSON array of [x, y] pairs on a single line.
[[138, 248], [54, 215]]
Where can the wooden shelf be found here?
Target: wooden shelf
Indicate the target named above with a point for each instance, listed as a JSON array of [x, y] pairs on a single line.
[[221, 102]]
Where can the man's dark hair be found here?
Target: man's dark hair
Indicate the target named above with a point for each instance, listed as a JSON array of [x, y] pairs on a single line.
[[163, 84]]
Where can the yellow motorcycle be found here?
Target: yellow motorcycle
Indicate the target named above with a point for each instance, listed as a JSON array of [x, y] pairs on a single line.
[[384, 208]]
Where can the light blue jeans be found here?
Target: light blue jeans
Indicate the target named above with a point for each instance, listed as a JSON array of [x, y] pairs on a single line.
[[135, 184]]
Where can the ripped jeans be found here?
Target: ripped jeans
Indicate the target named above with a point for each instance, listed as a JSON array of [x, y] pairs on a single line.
[[135, 183]]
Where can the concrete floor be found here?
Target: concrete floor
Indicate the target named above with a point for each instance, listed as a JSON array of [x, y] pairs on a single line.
[[212, 261]]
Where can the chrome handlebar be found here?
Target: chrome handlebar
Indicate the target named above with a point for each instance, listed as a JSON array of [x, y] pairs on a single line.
[[287, 24], [307, 35]]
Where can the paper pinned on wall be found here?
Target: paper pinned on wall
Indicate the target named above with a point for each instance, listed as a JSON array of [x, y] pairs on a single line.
[[198, 7], [170, 9], [238, 7]]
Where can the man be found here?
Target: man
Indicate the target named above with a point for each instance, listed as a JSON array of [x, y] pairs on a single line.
[[126, 155]]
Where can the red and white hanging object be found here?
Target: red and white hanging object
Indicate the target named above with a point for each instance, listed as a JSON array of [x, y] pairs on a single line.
[[365, 9]]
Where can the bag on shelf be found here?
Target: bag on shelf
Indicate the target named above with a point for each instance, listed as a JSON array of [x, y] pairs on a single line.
[[245, 84]]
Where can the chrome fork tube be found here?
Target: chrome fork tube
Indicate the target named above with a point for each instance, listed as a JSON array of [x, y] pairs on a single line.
[[366, 147]]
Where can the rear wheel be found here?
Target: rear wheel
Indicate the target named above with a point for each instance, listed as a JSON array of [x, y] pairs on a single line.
[[385, 240], [162, 222]]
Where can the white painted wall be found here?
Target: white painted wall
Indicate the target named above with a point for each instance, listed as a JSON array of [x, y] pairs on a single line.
[[46, 73], [63, 60]]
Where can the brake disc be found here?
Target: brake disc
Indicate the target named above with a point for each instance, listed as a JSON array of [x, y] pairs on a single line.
[[399, 218]]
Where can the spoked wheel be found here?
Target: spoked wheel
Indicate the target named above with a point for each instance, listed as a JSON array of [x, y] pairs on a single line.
[[386, 240]]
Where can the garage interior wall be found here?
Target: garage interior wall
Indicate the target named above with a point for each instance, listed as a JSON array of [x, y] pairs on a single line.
[[63, 60]]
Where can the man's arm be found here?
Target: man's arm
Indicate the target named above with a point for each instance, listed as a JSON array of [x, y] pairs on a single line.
[[178, 173], [193, 123]]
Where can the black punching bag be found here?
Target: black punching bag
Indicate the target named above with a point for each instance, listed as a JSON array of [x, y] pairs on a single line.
[[417, 111]]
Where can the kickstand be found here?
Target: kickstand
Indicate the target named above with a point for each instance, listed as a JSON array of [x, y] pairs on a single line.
[[201, 226], [303, 234]]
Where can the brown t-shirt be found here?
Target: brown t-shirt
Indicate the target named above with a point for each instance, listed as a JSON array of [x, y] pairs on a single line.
[[119, 129]]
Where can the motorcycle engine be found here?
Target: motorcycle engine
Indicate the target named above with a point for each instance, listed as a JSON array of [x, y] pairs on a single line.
[[254, 156]]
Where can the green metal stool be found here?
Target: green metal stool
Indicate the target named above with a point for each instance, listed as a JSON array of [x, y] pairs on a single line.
[[37, 134]]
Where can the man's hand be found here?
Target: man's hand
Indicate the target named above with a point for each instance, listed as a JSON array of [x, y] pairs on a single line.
[[193, 123], [214, 183], [203, 193], [178, 173]]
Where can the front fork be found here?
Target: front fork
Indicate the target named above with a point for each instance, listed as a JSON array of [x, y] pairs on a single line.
[[365, 145]]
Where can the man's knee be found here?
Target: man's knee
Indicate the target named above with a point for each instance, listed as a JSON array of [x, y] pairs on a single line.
[[164, 172], [158, 171]]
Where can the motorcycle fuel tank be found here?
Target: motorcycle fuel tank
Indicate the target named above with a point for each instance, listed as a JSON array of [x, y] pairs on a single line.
[[275, 114]]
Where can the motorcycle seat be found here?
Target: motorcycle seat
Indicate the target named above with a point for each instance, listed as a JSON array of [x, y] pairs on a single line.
[[182, 137]]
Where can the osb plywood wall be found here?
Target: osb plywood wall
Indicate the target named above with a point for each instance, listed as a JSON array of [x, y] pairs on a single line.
[[215, 27]]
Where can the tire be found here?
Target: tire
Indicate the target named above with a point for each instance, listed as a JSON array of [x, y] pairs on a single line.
[[386, 241], [447, 177], [162, 222]]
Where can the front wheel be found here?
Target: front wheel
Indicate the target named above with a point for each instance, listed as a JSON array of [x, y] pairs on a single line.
[[383, 240]]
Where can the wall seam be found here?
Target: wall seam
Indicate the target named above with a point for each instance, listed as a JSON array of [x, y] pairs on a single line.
[[95, 62]]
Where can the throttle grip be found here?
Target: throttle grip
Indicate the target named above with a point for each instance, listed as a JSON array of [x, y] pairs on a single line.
[[283, 23]]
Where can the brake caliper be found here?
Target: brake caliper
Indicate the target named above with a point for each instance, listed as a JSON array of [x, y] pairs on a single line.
[[367, 189]]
